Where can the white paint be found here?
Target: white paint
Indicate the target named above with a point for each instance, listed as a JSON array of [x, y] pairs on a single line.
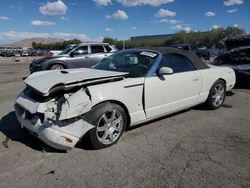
[[163, 95]]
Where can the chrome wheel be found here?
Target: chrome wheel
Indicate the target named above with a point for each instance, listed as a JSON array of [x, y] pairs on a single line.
[[109, 127], [218, 95], [203, 59], [56, 67]]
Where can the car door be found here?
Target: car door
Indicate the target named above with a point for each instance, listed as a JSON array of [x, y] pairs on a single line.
[[97, 53], [169, 93], [78, 58]]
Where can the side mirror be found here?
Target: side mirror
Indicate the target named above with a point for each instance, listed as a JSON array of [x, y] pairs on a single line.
[[165, 71], [71, 54]]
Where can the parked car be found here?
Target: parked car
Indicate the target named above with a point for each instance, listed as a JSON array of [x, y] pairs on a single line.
[[238, 59], [17, 54], [9, 53], [203, 53], [84, 55], [2, 53], [125, 89], [24, 53]]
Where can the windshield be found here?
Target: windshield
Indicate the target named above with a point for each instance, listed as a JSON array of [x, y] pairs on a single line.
[[136, 64], [67, 50]]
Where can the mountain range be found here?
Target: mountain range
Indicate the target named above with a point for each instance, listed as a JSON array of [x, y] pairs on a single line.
[[28, 42]]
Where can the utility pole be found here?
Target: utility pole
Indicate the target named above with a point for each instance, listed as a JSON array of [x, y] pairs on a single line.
[[123, 44]]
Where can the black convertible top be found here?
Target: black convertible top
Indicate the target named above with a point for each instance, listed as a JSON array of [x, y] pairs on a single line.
[[193, 58]]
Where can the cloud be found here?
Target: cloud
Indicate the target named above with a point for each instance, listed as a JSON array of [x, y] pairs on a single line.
[[132, 3], [177, 27], [109, 30], [64, 18], [133, 28], [233, 2], [174, 22], [102, 2], [187, 29], [232, 11], [4, 18], [236, 25], [210, 13], [215, 27], [118, 15], [18, 8], [42, 23], [53, 8], [182, 28], [164, 13]]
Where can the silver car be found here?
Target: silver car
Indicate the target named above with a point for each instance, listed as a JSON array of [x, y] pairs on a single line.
[[84, 55]]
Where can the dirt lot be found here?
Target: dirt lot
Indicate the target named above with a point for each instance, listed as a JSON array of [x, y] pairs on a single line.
[[195, 148]]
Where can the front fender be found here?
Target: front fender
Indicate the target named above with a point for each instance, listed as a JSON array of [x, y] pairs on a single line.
[[74, 105]]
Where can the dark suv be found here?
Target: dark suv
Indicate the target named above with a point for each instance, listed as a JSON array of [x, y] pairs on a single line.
[[82, 56], [202, 53], [239, 60]]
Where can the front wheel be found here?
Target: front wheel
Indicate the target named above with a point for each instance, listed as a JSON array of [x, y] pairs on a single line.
[[56, 67], [217, 95], [203, 59], [110, 122]]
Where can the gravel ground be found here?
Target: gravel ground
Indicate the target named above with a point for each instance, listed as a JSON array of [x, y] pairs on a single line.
[[194, 148]]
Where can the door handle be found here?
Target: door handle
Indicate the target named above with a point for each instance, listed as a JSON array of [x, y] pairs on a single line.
[[196, 79], [86, 57]]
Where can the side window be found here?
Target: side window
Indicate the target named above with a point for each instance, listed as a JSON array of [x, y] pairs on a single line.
[[108, 49], [194, 48], [177, 62], [81, 50], [248, 52], [185, 48], [97, 49]]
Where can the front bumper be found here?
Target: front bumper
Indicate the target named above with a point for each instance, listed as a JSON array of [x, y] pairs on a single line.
[[48, 135], [34, 67], [56, 134]]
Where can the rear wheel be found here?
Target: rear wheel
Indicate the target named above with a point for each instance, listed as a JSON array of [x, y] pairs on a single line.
[[217, 95], [110, 122], [203, 59], [56, 67]]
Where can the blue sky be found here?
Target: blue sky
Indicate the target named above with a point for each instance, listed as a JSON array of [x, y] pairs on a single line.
[[91, 20]]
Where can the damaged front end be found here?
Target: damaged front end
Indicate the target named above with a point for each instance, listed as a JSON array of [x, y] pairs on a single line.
[[57, 119]]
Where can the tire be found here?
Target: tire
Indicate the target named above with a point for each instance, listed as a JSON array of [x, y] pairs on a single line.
[[216, 95], [110, 121], [56, 67], [203, 59]]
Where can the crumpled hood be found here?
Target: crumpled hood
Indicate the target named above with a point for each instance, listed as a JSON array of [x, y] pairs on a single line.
[[45, 80]]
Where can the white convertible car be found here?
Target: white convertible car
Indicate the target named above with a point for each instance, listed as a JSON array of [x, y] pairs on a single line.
[[128, 88]]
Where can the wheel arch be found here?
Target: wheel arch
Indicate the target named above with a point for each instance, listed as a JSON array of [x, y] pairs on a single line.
[[121, 105], [54, 63], [222, 79]]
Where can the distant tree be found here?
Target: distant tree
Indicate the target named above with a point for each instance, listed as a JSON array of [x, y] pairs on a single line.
[[110, 40], [210, 39]]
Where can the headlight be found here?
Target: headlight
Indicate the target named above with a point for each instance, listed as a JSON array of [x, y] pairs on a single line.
[[35, 65]]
